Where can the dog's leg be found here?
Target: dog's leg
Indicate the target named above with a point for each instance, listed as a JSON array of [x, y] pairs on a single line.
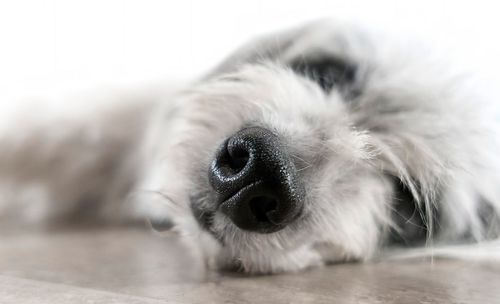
[[69, 165]]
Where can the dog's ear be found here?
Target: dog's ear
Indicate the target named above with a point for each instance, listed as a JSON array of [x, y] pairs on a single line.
[[411, 220], [327, 71]]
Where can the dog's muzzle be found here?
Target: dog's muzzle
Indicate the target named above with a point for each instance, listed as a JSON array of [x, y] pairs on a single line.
[[256, 181]]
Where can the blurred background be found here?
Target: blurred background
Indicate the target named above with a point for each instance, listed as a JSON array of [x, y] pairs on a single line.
[[50, 47]]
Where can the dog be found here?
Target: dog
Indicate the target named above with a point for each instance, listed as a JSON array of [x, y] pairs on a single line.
[[321, 144]]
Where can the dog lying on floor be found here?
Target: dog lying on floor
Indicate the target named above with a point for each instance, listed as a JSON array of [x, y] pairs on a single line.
[[325, 143]]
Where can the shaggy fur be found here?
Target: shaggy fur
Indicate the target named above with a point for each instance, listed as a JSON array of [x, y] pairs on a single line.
[[393, 151]]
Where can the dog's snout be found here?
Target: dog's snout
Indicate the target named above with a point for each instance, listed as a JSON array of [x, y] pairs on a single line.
[[256, 181]]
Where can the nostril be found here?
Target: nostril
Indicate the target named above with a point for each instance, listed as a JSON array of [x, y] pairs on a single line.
[[260, 207], [237, 159], [231, 169], [231, 160]]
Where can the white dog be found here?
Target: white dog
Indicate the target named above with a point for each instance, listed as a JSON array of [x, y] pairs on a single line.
[[321, 144]]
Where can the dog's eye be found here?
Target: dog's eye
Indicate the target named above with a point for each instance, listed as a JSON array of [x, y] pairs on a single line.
[[327, 72]]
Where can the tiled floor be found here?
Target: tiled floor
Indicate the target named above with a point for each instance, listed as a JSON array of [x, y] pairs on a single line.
[[130, 265]]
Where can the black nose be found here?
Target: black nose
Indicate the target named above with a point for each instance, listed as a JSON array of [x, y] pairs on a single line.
[[257, 184]]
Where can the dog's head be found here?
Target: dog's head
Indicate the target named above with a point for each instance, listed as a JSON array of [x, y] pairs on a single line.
[[282, 154]]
